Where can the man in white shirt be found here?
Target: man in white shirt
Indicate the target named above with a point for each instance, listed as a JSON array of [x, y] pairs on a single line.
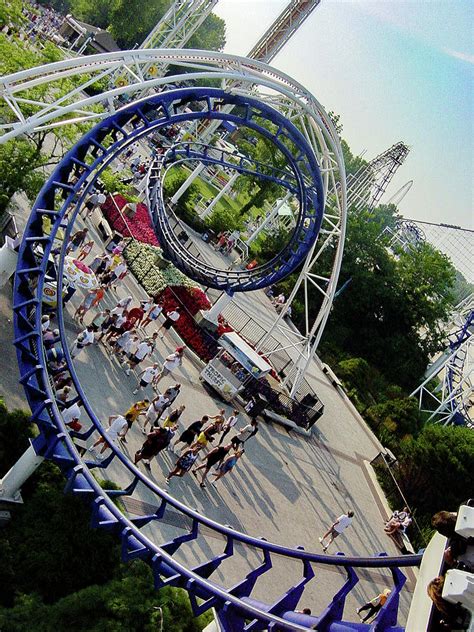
[[153, 313], [95, 200], [120, 272], [170, 318], [155, 410], [84, 339], [248, 431], [147, 376], [229, 423], [336, 529], [118, 426], [172, 362], [144, 349]]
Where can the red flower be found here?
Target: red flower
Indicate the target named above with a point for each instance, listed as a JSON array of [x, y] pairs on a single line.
[[139, 227]]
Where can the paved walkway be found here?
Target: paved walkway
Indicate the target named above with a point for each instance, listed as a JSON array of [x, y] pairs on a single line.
[[287, 488]]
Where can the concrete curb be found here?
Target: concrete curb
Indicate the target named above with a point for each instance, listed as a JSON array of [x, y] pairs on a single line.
[[377, 489]]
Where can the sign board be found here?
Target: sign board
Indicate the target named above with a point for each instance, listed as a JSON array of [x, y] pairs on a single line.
[[218, 381]]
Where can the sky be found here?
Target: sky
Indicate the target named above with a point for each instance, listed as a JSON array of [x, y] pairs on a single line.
[[394, 70]]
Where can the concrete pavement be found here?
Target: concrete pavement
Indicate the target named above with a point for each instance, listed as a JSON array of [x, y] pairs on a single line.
[[286, 488]]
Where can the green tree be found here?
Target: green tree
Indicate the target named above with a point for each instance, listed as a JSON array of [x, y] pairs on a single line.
[[126, 604], [24, 161], [46, 544], [436, 469], [10, 13], [132, 20], [352, 163], [20, 162], [391, 311], [15, 431], [210, 35], [394, 420], [97, 13]]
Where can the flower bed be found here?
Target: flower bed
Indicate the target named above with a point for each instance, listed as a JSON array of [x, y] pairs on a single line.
[[162, 280], [140, 225], [153, 272], [190, 300]]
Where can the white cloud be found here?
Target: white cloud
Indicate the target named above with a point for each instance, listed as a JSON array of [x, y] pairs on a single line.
[[459, 55]]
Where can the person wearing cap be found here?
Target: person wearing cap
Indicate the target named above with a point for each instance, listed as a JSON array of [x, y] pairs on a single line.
[[338, 527], [374, 605], [172, 362]]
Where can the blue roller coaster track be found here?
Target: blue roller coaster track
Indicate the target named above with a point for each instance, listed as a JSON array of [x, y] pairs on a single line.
[[60, 200]]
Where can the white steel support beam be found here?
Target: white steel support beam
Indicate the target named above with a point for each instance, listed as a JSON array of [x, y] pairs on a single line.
[[176, 28]]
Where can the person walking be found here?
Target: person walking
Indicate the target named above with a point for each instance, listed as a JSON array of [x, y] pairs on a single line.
[[228, 424], [338, 527], [146, 377], [126, 345], [154, 411], [183, 464], [173, 417], [227, 465], [172, 393], [144, 350], [172, 362], [119, 273], [171, 318], [247, 432], [203, 438], [115, 328], [153, 313], [157, 440], [109, 322], [100, 320], [94, 201], [132, 414], [118, 426], [85, 250], [215, 456], [83, 340], [137, 314], [188, 436], [374, 605], [77, 240], [91, 299], [122, 305]]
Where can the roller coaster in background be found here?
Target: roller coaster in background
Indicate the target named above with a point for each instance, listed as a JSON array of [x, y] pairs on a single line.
[[315, 173]]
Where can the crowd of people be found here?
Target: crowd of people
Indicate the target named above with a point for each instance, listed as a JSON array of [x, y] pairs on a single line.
[[211, 445]]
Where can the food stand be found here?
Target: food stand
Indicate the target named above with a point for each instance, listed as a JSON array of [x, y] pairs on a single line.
[[235, 363]]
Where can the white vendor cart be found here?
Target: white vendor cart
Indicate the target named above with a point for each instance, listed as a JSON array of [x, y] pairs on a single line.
[[233, 365]]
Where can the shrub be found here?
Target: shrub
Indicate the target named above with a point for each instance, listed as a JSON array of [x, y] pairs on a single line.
[[394, 419], [362, 380]]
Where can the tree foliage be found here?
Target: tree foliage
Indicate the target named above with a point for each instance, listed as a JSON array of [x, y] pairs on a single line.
[[436, 469], [20, 161], [10, 13], [24, 161], [125, 604], [15, 431], [47, 542], [391, 310]]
